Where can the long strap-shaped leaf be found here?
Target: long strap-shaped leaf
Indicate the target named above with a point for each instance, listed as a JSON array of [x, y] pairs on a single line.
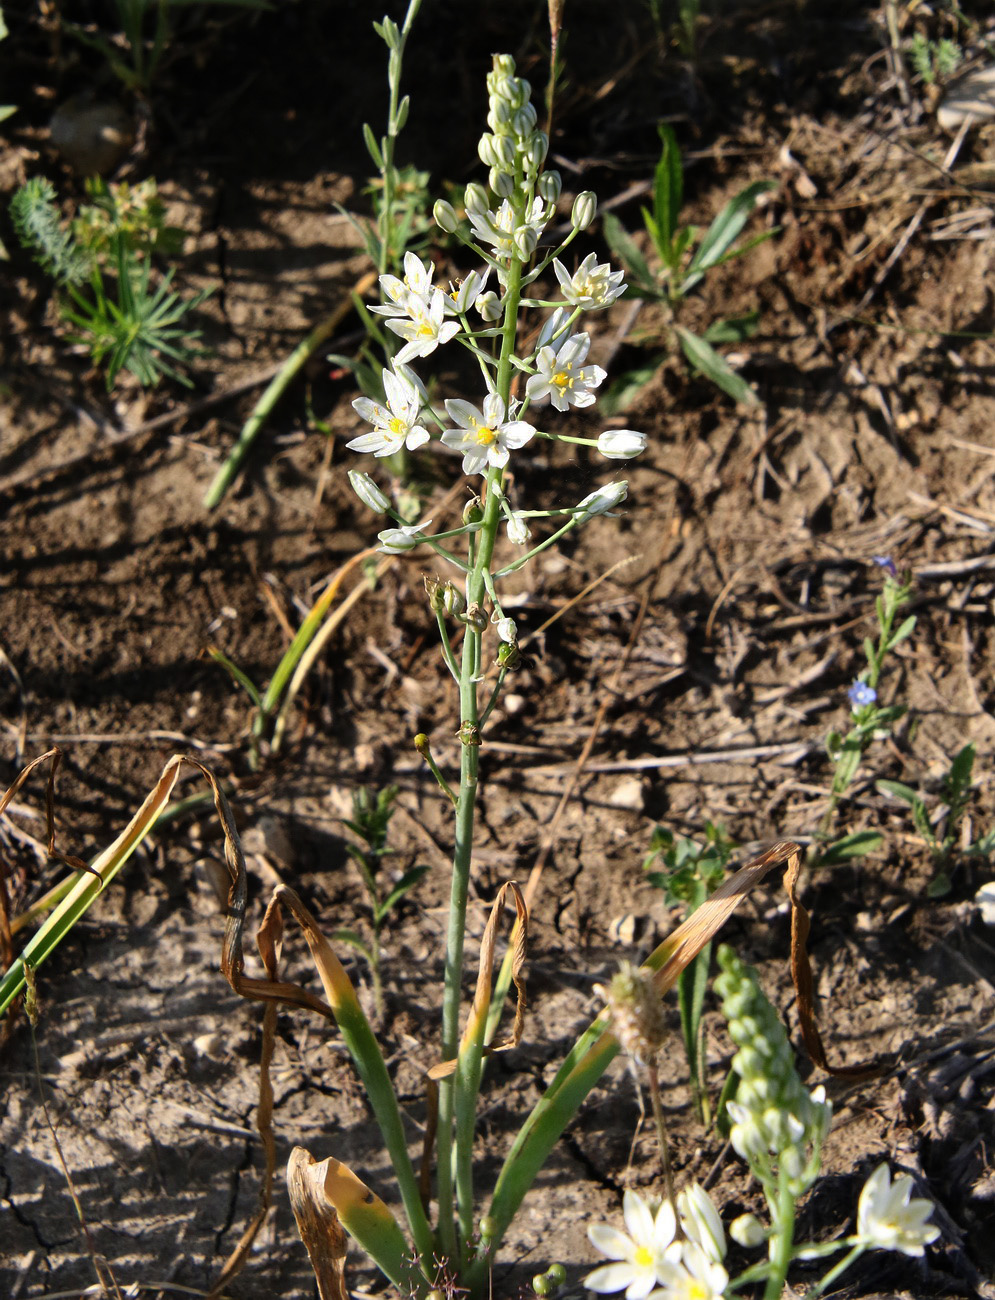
[[596, 1047], [91, 880]]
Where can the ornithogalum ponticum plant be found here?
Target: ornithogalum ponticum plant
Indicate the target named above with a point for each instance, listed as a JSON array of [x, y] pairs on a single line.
[[452, 1249]]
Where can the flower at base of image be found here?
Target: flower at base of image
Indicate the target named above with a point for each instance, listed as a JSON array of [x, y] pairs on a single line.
[[651, 1264], [642, 1252], [985, 900], [889, 1217], [696, 1277]]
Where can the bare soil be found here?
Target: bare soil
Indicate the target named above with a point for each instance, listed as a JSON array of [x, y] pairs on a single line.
[[747, 541]]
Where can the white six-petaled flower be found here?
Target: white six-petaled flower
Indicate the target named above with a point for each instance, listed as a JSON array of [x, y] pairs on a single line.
[[562, 376], [700, 1222], [890, 1218], [642, 1254], [695, 1277], [426, 329], [414, 288], [484, 437], [396, 424], [592, 286]]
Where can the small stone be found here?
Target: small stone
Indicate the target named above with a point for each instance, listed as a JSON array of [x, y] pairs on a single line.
[[92, 137], [629, 793]]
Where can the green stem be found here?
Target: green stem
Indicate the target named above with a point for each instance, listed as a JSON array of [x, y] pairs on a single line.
[[291, 368], [782, 1244], [849, 1258], [458, 1095]]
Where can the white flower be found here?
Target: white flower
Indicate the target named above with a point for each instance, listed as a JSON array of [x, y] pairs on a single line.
[[643, 1251], [395, 541], [890, 1218], [696, 1277], [368, 492], [426, 329], [396, 424], [507, 631], [594, 284], [562, 376], [405, 295], [553, 329], [485, 437], [602, 500], [498, 229], [621, 444], [985, 900], [466, 293], [701, 1223], [518, 530]]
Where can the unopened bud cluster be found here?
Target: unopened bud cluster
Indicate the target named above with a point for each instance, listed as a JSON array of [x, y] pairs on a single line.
[[637, 1015], [778, 1126]]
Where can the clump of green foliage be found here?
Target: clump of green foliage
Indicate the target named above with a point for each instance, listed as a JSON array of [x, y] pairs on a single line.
[[684, 257], [122, 311], [370, 823], [955, 795], [691, 872]]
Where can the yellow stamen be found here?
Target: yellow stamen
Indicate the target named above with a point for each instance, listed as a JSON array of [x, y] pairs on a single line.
[[562, 380], [485, 437]]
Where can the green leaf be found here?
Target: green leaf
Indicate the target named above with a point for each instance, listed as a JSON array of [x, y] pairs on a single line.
[[236, 674], [903, 632], [403, 886], [899, 791], [734, 329], [851, 846], [668, 191], [726, 229], [621, 244], [351, 938], [372, 148], [706, 361], [624, 389]]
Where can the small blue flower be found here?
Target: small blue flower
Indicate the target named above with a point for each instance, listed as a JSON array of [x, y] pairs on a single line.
[[887, 563], [860, 694]]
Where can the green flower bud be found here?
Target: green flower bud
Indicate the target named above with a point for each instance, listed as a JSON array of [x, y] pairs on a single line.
[[542, 1285], [502, 183], [475, 199], [445, 216], [549, 185], [584, 209], [487, 1227], [748, 1231], [557, 1273]]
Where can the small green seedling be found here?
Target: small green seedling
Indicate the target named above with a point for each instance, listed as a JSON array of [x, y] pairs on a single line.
[[684, 258], [934, 61], [137, 51], [102, 266], [371, 814], [693, 871], [869, 720], [955, 794]]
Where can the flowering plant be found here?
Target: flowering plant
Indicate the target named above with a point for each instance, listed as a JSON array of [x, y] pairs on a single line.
[[777, 1127]]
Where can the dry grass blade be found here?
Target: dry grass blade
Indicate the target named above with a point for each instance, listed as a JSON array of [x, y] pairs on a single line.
[[680, 948], [232, 957], [317, 1223], [268, 941], [485, 976]]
